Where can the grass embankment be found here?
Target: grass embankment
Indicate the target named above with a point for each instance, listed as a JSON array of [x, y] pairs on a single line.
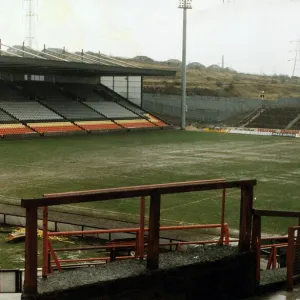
[[221, 83]]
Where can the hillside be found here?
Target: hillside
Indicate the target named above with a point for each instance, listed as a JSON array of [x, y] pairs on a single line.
[[201, 80], [213, 81]]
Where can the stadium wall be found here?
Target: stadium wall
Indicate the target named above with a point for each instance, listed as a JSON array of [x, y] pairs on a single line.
[[255, 131], [177, 279], [208, 109]]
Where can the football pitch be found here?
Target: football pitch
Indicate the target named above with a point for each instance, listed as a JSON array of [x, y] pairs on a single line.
[[30, 168]]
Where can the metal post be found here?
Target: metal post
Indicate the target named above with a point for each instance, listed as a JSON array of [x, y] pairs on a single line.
[[256, 242], [30, 14], [113, 255], [270, 259], [184, 4], [183, 74], [245, 218], [142, 228], [18, 284], [274, 262], [153, 234], [50, 269], [290, 258], [296, 58], [30, 283], [223, 217], [45, 242], [142, 87], [127, 89], [57, 263]]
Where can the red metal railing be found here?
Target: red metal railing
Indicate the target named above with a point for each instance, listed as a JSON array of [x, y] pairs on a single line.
[[140, 245], [256, 243], [155, 192], [293, 255], [137, 245], [272, 260]]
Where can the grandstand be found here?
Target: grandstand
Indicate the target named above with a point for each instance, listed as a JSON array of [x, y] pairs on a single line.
[[55, 91], [9, 93], [58, 94]]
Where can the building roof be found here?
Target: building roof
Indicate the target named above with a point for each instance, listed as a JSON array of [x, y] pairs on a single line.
[[38, 66]]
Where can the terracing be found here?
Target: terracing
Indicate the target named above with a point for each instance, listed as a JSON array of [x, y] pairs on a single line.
[[296, 125], [277, 118]]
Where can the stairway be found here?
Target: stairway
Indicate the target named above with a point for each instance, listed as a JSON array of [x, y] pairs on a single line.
[[293, 122], [252, 116]]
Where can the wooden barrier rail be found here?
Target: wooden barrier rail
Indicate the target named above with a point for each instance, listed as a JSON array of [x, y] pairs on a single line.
[[276, 213], [155, 192]]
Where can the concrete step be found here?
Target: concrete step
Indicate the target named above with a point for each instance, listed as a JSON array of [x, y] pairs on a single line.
[[10, 296]]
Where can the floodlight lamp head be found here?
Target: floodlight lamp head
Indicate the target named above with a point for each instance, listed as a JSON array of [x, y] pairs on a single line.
[[187, 4]]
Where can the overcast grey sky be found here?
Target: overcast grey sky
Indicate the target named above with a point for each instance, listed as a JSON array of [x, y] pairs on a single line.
[[254, 35]]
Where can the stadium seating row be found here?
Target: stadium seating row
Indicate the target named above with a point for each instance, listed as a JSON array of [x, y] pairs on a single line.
[[50, 109]]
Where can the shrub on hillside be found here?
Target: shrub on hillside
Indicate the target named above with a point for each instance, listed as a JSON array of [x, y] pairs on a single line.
[[219, 83], [229, 87]]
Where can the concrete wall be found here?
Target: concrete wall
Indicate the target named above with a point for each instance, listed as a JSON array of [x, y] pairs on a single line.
[[225, 278], [10, 281], [208, 109]]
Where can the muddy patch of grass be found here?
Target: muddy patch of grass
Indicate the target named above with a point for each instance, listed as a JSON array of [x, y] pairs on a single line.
[[33, 167]]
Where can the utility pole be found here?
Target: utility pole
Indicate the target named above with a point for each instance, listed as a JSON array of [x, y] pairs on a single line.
[[222, 61], [30, 15], [297, 55], [296, 58], [185, 5]]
